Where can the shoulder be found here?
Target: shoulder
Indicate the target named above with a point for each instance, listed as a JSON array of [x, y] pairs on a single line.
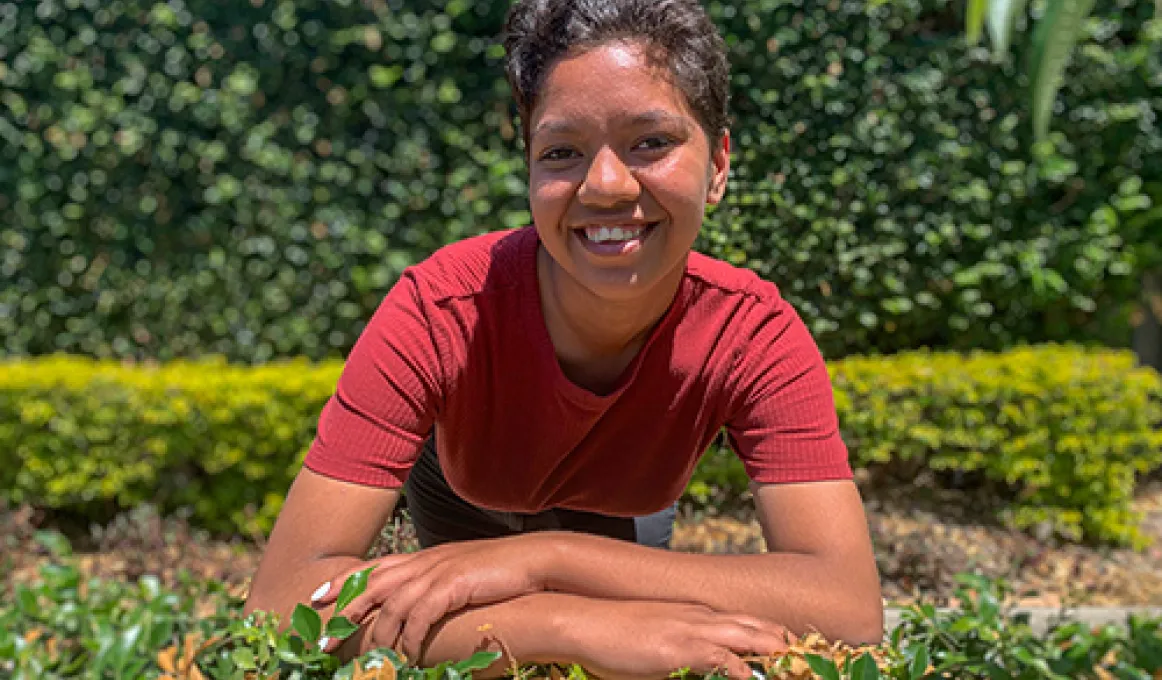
[[475, 265], [739, 290], [749, 315]]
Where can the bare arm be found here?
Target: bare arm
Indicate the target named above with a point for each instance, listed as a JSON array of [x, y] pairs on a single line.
[[325, 528], [627, 639], [820, 572]]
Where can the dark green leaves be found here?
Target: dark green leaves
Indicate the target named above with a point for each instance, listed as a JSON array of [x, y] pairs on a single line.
[[352, 588], [918, 665], [865, 668], [307, 623], [340, 628], [173, 188], [824, 668]]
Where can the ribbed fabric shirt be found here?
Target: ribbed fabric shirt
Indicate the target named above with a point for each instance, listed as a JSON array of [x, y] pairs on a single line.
[[459, 345]]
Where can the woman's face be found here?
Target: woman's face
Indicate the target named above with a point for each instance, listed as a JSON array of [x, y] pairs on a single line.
[[620, 172]]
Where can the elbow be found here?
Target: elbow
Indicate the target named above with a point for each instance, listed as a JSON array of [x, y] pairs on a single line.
[[862, 623]]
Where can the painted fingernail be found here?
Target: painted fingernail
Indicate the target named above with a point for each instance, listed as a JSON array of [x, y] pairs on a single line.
[[323, 642], [320, 592]]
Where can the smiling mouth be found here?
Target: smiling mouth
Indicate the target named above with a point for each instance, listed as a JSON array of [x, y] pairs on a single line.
[[615, 239]]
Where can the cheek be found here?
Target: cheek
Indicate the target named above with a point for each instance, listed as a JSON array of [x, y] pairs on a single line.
[[548, 195], [680, 187]]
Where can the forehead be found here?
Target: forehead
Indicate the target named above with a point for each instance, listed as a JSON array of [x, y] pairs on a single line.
[[610, 83]]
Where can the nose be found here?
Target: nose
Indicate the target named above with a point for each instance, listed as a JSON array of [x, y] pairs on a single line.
[[608, 182]]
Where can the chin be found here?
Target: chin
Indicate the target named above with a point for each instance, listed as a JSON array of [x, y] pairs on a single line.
[[620, 287]]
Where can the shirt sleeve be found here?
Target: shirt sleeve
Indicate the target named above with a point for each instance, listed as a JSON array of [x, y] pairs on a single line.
[[373, 427], [782, 423]]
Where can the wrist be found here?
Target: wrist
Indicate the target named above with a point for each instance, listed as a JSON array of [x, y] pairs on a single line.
[[548, 555]]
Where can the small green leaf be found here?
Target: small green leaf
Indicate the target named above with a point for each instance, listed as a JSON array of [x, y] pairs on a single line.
[[27, 600], [353, 587], [865, 668], [919, 664], [477, 662], [244, 658], [54, 542], [825, 668], [340, 628], [307, 623]]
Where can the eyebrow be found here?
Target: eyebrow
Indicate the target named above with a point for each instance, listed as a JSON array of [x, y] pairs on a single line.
[[652, 117]]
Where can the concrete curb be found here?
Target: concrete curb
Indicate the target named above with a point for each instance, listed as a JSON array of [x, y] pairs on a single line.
[[1042, 618]]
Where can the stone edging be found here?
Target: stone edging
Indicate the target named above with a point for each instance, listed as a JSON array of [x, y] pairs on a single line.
[[1040, 618]]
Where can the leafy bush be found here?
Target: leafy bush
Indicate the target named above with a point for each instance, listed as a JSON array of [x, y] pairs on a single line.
[[1061, 431], [223, 440], [63, 628], [179, 179], [1065, 430]]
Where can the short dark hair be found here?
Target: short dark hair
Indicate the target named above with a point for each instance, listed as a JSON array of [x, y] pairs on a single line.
[[678, 33]]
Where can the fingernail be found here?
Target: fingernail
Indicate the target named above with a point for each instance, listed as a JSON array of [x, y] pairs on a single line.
[[320, 591], [323, 642]]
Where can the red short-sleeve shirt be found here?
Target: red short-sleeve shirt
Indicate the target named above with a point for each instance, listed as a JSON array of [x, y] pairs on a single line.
[[460, 343]]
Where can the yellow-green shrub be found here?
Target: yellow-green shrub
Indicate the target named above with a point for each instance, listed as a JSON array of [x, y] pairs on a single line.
[[1065, 430], [223, 440]]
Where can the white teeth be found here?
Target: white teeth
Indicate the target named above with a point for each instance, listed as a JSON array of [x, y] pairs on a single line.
[[605, 234]]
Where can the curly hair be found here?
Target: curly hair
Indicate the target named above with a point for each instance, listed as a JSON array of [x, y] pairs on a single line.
[[677, 34]]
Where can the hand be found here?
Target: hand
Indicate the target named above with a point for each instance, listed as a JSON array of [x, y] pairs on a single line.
[[414, 591], [641, 639]]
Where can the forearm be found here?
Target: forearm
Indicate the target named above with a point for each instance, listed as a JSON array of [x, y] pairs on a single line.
[[840, 598], [525, 629]]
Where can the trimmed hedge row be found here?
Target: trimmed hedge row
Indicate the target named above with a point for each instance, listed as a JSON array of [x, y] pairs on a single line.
[[1064, 430], [180, 179]]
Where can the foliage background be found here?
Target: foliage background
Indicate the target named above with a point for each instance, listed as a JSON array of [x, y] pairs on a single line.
[[188, 178]]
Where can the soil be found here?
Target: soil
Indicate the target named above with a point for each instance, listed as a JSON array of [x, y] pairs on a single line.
[[922, 540]]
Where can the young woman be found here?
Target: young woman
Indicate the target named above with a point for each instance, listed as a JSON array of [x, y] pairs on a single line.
[[544, 395]]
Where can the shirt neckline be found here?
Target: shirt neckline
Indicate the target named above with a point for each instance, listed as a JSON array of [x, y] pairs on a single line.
[[543, 343]]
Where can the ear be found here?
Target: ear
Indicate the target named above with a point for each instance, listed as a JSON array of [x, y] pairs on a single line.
[[720, 169]]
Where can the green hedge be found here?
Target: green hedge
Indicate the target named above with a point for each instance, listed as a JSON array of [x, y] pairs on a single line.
[[189, 178], [1061, 431], [223, 440]]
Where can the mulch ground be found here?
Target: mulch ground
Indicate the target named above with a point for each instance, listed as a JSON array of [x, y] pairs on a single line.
[[921, 542]]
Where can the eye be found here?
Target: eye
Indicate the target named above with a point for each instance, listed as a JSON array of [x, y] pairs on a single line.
[[654, 143], [558, 153]]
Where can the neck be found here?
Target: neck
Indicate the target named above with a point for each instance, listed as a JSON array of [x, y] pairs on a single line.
[[581, 323]]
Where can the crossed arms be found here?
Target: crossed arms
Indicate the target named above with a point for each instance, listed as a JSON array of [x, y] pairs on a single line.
[[617, 608]]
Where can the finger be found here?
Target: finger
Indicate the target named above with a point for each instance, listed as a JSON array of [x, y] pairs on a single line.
[[384, 586], [451, 597], [768, 630], [328, 591], [396, 609], [722, 660], [744, 639]]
